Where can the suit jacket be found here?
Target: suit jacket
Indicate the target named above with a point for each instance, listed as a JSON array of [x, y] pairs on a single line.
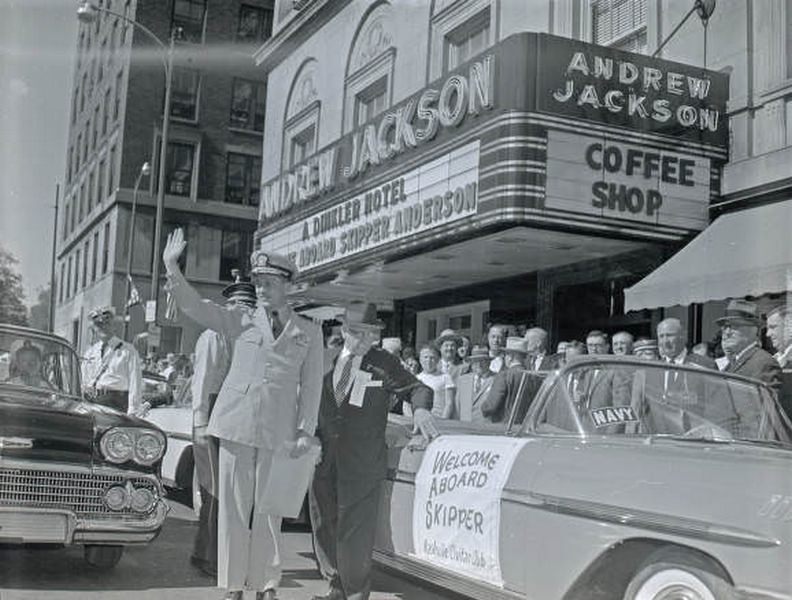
[[353, 438], [503, 394], [758, 364], [273, 385], [457, 369], [468, 401], [548, 363]]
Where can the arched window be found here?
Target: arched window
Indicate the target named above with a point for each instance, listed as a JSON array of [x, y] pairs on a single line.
[[369, 74], [301, 131]]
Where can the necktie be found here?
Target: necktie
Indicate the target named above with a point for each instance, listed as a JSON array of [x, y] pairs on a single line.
[[343, 381], [275, 322], [476, 384], [104, 349]]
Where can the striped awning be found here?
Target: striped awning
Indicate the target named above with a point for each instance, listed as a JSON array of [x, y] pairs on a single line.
[[744, 253]]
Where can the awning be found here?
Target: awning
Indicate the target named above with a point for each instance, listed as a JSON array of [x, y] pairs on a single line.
[[744, 253]]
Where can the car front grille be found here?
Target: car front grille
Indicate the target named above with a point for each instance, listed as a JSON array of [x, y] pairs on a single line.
[[80, 492]]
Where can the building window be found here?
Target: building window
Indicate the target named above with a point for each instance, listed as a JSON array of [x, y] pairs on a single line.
[[85, 146], [184, 93], [82, 203], [77, 150], [179, 168], [65, 230], [73, 215], [255, 23], [243, 173], [74, 104], [189, 16], [69, 278], [85, 264], [83, 87], [248, 104], [620, 24], [302, 145], [111, 171], [371, 101], [90, 202], [102, 58], [117, 105], [467, 40], [61, 282], [106, 249], [76, 272], [235, 249], [100, 181], [106, 112], [94, 256], [69, 164], [96, 126]]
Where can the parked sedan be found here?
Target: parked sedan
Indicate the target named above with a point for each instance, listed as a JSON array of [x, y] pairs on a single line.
[[71, 472], [625, 479]]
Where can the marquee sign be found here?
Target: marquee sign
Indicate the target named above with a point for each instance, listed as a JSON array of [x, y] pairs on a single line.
[[598, 175], [439, 192]]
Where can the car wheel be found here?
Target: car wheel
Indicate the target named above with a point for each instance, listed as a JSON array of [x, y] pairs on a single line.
[[668, 581], [195, 493], [103, 557]]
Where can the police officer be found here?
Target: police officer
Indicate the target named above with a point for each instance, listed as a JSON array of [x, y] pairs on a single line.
[[268, 401], [112, 374], [212, 359]]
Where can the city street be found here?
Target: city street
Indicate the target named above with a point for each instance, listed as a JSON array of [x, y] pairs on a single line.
[[162, 571]]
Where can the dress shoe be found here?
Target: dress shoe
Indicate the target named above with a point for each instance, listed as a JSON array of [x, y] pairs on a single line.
[[266, 595], [333, 594], [233, 595]]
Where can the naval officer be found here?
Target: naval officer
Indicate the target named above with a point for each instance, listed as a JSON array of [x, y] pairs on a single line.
[[269, 401]]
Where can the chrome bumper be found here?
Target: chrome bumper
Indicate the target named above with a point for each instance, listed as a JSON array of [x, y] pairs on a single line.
[[21, 525]]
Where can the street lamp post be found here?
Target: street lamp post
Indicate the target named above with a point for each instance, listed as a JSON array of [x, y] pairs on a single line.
[[87, 12], [145, 171]]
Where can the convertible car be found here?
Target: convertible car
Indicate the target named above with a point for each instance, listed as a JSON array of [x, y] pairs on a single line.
[[71, 472], [618, 478]]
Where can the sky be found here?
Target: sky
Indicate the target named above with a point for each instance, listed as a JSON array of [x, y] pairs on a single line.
[[38, 40]]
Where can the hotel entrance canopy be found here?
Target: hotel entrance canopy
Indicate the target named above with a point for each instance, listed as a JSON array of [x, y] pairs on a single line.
[[745, 253]]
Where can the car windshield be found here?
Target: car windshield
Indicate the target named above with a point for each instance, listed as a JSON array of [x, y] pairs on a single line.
[[37, 362], [655, 399]]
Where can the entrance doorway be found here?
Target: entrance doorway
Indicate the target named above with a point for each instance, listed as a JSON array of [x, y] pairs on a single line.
[[466, 319]]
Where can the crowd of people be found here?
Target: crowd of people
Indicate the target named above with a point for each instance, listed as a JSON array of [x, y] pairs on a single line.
[[265, 383]]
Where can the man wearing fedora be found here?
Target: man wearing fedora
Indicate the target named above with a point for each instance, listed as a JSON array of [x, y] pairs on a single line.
[[511, 384], [448, 343], [267, 404], [473, 387], [346, 491], [112, 374], [740, 327], [210, 366]]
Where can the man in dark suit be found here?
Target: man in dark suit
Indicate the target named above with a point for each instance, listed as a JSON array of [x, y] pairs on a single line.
[[671, 343], [346, 491], [779, 332], [473, 387], [512, 385], [740, 340]]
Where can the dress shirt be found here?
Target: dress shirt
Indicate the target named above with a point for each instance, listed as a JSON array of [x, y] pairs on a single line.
[[536, 363], [496, 364], [679, 359], [123, 372], [783, 356], [339, 368]]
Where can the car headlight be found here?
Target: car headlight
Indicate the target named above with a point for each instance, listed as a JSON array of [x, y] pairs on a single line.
[[116, 497], [148, 447], [142, 500], [121, 444], [117, 445]]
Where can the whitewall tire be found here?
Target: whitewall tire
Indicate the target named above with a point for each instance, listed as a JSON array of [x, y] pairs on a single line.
[[665, 581]]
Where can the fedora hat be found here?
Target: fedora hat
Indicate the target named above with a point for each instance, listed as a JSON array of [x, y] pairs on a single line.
[[241, 290], [516, 344], [741, 311], [643, 345], [448, 334], [479, 353], [269, 263], [362, 316]]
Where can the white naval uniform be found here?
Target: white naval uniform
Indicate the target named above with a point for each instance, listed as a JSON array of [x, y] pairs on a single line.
[[272, 389], [123, 372]]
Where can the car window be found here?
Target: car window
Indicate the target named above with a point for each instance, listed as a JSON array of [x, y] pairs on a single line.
[[555, 414], [33, 362], [656, 399]]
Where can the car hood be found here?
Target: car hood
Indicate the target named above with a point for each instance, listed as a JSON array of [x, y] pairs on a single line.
[[51, 427]]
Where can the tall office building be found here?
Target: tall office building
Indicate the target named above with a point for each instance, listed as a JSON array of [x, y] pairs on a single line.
[[212, 164]]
